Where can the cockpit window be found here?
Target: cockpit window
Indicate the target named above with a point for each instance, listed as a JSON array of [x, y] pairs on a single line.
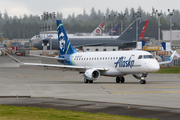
[[148, 57], [140, 57]]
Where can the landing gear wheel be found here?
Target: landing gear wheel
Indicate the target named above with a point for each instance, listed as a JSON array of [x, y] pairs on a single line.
[[117, 79], [90, 81], [85, 80], [143, 81], [122, 79]]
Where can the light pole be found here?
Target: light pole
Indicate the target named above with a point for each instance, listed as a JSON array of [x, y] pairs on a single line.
[[24, 19], [19, 27], [121, 17], [171, 24], [111, 18], [105, 24], [137, 15], [159, 24]]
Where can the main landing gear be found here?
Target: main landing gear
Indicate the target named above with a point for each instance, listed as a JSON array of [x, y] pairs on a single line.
[[120, 79], [86, 81]]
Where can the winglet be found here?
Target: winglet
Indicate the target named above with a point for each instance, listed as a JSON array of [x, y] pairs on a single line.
[[169, 60], [16, 60]]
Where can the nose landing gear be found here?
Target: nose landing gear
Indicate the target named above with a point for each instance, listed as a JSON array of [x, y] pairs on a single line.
[[143, 81]]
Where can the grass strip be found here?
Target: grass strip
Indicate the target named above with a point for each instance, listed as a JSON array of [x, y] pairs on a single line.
[[29, 113], [169, 70]]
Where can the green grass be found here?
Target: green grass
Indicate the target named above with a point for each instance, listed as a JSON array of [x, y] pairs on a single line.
[[29, 113], [169, 70]]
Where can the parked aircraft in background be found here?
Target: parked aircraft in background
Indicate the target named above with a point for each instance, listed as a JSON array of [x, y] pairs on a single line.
[[53, 34], [125, 40], [95, 64]]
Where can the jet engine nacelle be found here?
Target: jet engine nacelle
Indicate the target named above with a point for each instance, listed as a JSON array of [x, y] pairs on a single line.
[[92, 74], [140, 76]]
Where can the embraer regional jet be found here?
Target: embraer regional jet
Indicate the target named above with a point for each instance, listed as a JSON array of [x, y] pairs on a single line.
[[112, 63]]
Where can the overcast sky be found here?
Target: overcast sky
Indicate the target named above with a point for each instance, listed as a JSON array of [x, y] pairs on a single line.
[[36, 7]]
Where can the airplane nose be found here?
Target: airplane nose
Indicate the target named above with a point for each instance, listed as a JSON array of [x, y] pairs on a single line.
[[155, 67], [36, 44]]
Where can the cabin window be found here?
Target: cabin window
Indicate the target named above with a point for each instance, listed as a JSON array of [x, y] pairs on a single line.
[[87, 49], [97, 58], [87, 58], [96, 49], [116, 58], [105, 58], [148, 57], [81, 58], [104, 49], [140, 57], [94, 58], [84, 58], [114, 49]]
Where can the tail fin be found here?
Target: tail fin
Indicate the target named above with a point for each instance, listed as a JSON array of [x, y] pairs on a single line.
[[143, 30], [98, 30], [64, 43], [129, 33], [115, 30]]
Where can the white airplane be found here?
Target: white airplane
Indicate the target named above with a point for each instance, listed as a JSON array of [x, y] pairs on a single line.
[[95, 64]]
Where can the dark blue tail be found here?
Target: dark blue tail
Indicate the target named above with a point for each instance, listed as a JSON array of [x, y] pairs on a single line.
[[64, 44]]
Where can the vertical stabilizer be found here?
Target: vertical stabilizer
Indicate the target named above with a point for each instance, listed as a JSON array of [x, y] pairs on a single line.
[[115, 31], [98, 30], [129, 34], [143, 30], [64, 43]]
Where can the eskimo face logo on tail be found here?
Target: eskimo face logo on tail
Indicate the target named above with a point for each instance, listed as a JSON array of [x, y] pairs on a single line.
[[62, 42], [124, 63]]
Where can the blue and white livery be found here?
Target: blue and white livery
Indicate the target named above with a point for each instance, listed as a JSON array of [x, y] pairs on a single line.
[[110, 63]]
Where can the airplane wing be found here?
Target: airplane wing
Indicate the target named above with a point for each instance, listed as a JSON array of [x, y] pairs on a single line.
[[169, 60], [55, 65], [57, 58], [65, 66]]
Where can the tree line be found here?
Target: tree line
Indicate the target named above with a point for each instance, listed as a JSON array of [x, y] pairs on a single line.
[[27, 26]]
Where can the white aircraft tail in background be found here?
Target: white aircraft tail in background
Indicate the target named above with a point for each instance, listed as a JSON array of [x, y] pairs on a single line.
[[99, 30]]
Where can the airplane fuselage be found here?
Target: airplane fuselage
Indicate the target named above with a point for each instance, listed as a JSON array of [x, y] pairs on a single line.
[[118, 62], [77, 43]]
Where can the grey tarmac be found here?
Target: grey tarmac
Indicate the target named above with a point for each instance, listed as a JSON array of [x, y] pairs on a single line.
[[48, 87]]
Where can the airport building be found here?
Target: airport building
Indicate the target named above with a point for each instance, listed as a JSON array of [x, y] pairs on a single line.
[[175, 35]]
